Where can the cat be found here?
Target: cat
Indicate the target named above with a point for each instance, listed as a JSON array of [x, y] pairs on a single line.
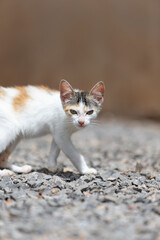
[[34, 111]]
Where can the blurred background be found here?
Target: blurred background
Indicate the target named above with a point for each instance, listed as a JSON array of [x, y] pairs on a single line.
[[86, 41]]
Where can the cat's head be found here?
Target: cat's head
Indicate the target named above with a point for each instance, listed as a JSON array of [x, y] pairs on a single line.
[[82, 107]]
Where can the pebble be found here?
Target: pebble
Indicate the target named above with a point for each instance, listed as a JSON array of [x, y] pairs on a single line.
[[112, 179]]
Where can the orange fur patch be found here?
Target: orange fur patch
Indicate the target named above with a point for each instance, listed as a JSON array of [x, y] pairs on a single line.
[[2, 92], [43, 87], [20, 99], [85, 108], [67, 110], [68, 113], [46, 88]]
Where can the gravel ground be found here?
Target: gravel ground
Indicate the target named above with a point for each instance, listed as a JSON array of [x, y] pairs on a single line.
[[121, 202]]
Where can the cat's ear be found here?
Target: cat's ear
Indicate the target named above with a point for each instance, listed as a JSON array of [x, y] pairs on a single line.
[[66, 91], [98, 92]]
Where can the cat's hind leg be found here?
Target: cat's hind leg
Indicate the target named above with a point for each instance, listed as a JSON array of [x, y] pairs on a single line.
[[4, 162], [15, 168], [7, 138], [6, 153], [3, 158], [8, 141]]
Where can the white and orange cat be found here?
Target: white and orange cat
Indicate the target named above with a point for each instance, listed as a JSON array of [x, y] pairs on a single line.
[[33, 111]]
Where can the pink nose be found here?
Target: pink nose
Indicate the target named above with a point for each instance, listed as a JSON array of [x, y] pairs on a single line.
[[81, 122]]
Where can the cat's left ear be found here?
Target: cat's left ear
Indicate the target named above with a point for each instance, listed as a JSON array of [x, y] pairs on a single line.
[[66, 91], [98, 92]]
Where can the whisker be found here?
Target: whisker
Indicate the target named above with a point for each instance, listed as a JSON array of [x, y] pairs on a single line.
[[95, 124], [97, 121]]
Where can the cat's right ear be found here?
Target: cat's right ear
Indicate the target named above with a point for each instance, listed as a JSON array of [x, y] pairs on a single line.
[[66, 91]]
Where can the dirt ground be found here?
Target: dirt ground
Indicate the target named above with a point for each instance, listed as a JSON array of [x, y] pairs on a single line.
[[121, 202]]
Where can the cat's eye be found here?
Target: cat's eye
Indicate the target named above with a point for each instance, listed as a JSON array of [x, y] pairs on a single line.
[[90, 112], [73, 111]]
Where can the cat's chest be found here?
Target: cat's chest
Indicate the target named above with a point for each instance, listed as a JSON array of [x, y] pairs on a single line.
[[63, 127], [36, 130]]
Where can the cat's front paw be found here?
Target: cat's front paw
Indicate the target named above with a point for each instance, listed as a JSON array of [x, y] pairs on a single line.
[[22, 169], [89, 171], [6, 172]]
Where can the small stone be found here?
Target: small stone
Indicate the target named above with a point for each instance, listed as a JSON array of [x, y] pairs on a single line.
[[112, 179], [2, 195], [135, 182], [158, 178], [107, 199], [54, 190]]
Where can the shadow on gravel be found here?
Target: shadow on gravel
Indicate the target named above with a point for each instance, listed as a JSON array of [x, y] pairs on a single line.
[[67, 176]]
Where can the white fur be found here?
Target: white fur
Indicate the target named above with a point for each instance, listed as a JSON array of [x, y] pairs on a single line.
[[6, 172], [41, 114], [81, 115], [23, 169]]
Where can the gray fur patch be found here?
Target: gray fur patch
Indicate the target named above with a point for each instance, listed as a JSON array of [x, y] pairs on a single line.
[[82, 97]]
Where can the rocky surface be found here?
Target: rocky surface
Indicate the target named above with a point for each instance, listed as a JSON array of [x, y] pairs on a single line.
[[121, 202]]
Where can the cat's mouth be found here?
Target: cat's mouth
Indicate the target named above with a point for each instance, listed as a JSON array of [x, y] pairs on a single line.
[[80, 126]]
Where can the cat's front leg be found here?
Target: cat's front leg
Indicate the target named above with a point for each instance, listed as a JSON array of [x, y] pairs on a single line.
[[52, 161], [76, 158]]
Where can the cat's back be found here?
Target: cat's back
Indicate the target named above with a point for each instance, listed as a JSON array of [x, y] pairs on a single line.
[[7, 93], [32, 110], [6, 98], [18, 98]]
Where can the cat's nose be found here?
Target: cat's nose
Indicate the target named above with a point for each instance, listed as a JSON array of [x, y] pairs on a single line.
[[81, 122]]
